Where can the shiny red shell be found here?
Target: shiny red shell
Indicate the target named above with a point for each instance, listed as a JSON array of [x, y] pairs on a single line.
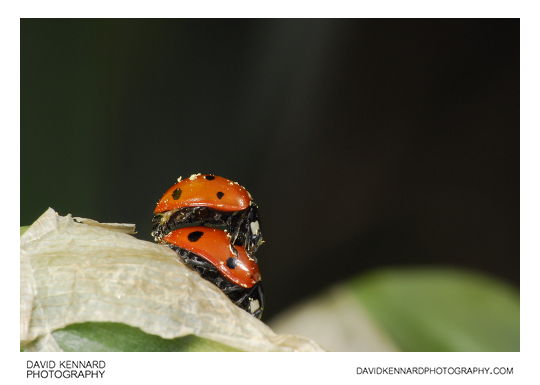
[[214, 246], [205, 190]]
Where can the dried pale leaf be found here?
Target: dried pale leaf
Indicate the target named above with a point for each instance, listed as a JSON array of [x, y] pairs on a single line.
[[127, 228], [78, 272]]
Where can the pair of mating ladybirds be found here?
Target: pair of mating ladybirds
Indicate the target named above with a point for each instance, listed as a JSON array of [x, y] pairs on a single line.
[[212, 223]]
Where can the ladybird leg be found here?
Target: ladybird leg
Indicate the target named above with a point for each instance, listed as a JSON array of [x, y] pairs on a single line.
[[239, 219], [253, 241], [252, 301], [250, 229], [256, 301]]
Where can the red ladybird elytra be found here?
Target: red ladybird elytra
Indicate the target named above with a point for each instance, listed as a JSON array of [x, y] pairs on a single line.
[[206, 190], [209, 252], [212, 201], [213, 245]]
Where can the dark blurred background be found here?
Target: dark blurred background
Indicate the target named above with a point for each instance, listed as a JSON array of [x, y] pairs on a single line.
[[366, 143]]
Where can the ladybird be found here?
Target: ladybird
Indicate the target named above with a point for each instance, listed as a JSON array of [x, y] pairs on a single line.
[[209, 252], [212, 201]]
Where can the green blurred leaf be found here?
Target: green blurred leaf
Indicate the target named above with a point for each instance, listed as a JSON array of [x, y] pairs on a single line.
[[442, 310], [116, 337], [23, 229]]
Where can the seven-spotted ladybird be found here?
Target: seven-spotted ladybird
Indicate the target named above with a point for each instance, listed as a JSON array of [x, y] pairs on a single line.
[[211, 201], [213, 225], [209, 252]]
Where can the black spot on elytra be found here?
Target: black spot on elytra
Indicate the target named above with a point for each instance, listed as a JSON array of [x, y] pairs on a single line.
[[220, 194], [194, 236], [210, 177], [176, 194], [231, 263]]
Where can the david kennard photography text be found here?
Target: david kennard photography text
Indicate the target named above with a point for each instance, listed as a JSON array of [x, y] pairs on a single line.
[[65, 369]]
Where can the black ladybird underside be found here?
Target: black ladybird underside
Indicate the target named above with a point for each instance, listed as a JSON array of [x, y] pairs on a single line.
[[250, 299], [243, 226]]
